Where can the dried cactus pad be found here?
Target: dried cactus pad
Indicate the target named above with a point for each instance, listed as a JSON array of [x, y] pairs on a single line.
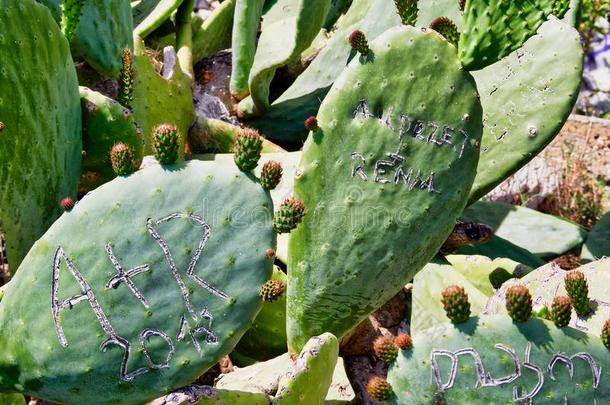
[[382, 180], [140, 288], [493, 360]]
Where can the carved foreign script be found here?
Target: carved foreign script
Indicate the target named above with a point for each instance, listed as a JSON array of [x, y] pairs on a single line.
[[199, 328], [484, 379]]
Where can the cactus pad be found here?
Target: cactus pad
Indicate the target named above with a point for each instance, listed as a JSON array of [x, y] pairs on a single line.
[[40, 143], [146, 286], [390, 159]]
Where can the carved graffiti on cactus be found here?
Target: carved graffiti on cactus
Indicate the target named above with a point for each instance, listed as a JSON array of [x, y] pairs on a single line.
[[426, 132], [484, 379], [197, 325]]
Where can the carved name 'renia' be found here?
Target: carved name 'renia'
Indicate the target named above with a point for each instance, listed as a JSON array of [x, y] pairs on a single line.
[[393, 168], [195, 324], [485, 379]]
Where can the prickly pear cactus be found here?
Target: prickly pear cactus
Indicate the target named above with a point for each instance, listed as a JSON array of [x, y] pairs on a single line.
[[105, 123], [597, 244], [166, 285], [493, 360], [161, 100], [527, 97], [548, 282], [105, 29], [288, 28], [499, 248], [214, 33], [155, 16], [266, 338], [495, 28], [380, 181], [40, 142]]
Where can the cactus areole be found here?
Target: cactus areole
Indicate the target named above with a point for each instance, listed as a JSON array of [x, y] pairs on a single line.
[[140, 288]]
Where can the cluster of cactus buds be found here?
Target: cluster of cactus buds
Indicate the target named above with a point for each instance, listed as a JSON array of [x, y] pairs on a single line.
[[456, 304], [165, 144], [519, 303], [289, 215]]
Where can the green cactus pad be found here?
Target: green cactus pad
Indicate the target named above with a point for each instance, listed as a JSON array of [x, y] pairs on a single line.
[[214, 33], [427, 311], [495, 28], [105, 122], [156, 16], [105, 29], [158, 100], [526, 97], [171, 281], [544, 235], [498, 247], [288, 27], [597, 244], [246, 20], [266, 338], [12, 399], [487, 274], [548, 282], [40, 140], [378, 182], [204, 395]]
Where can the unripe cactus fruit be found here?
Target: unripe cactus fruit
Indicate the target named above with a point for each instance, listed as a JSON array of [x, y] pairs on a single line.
[[578, 291], [67, 204], [271, 175], [519, 303], [166, 144], [311, 124], [407, 10], [126, 80], [358, 41], [272, 290], [289, 215], [561, 311], [456, 304], [385, 349], [404, 341], [121, 158], [447, 29], [379, 389], [248, 147], [71, 11], [606, 334]]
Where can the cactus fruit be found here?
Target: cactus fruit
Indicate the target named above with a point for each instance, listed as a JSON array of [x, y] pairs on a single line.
[[67, 204], [456, 304], [159, 292], [606, 334], [447, 29], [105, 123], [287, 29], [379, 389], [271, 175], [122, 159], [490, 359], [289, 215], [272, 290], [548, 281], [165, 143], [71, 11], [403, 341], [357, 41], [561, 311], [248, 148], [40, 145], [246, 21], [407, 10], [266, 338], [408, 204], [126, 77], [311, 124], [578, 291], [546, 70], [519, 303], [385, 349]]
